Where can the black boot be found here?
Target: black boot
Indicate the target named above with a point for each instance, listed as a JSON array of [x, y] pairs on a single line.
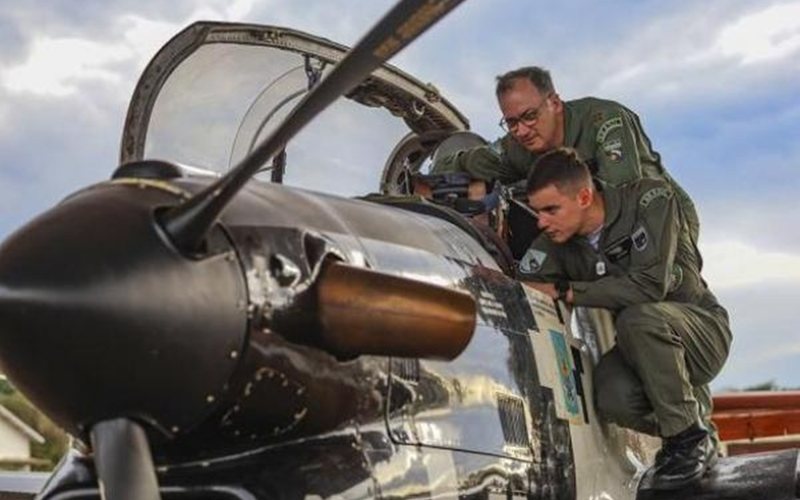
[[683, 459]]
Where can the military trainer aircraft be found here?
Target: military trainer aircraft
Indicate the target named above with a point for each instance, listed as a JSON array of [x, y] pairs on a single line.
[[203, 334]]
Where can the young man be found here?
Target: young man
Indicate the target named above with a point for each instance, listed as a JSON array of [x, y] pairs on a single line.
[[623, 249], [607, 135]]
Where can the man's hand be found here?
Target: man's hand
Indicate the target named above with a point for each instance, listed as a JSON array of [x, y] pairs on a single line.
[[548, 289]]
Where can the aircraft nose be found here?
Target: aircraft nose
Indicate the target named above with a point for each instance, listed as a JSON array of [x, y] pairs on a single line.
[[99, 317]]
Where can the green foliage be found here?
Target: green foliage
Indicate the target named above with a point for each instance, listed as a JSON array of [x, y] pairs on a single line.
[[56, 440]]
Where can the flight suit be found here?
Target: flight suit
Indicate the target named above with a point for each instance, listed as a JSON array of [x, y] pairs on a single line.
[[607, 136], [672, 335]]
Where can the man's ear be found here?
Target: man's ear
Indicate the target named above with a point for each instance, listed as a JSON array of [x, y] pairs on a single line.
[[585, 197], [557, 103]]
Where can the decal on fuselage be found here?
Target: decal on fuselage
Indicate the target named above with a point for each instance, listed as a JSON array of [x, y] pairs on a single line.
[[553, 353], [566, 368]]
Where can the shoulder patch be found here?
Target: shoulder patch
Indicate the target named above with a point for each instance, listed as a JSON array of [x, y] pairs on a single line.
[[532, 261], [607, 127], [613, 149], [639, 238], [653, 194]]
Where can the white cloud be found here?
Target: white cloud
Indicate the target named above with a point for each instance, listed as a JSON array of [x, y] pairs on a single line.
[[145, 36], [733, 264], [694, 52], [772, 33], [59, 66], [56, 66], [239, 9]]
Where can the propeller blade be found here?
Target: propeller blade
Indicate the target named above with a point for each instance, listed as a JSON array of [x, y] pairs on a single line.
[[187, 224], [123, 461]]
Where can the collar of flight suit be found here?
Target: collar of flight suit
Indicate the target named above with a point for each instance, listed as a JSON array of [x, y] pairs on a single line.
[[612, 205], [570, 132]]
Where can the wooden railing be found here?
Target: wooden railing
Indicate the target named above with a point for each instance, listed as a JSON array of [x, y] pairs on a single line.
[[755, 415]]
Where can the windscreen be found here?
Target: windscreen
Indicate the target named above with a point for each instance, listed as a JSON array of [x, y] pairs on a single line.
[[223, 99]]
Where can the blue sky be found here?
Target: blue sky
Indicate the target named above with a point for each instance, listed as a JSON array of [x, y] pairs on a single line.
[[715, 84]]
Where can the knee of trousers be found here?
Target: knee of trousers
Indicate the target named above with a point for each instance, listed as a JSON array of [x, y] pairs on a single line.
[[619, 394], [638, 323]]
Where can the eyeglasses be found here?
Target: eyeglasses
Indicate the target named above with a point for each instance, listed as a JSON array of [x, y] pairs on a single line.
[[529, 118]]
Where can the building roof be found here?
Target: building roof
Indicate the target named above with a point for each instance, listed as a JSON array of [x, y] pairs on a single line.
[[6, 415]]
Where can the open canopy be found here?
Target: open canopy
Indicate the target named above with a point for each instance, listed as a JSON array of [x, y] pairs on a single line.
[[216, 89]]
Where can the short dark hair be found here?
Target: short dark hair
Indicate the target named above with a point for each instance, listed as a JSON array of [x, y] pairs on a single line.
[[539, 77], [561, 167]]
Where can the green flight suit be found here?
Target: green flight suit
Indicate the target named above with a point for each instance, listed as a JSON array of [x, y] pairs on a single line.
[[672, 334], [606, 135]]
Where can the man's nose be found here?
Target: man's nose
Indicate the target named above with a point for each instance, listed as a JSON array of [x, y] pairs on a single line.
[[542, 222]]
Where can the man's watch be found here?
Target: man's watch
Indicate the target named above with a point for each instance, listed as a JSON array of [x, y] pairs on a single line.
[[562, 287]]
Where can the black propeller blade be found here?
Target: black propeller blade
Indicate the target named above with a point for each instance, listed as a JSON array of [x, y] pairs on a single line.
[[188, 223], [123, 461]]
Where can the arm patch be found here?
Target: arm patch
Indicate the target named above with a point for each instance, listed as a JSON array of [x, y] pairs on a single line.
[[653, 194], [532, 261], [607, 127]]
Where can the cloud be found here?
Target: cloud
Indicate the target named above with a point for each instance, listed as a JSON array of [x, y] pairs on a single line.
[[693, 53], [56, 66], [734, 264], [770, 34]]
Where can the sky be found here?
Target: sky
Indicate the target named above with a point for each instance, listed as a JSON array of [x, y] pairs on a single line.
[[716, 84]]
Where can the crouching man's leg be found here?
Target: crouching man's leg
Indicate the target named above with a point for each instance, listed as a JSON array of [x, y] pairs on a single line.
[[620, 396], [674, 348]]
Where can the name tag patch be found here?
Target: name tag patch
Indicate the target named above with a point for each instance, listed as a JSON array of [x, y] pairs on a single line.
[[618, 249]]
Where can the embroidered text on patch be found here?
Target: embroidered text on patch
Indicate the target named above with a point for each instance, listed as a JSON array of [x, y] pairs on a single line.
[[607, 127], [532, 261], [659, 192]]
